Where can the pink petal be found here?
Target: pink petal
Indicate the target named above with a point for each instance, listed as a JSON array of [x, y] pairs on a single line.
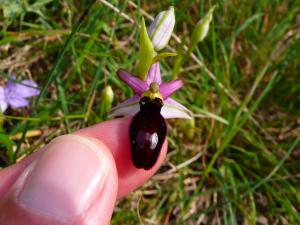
[[135, 83], [129, 107], [173, 109], [3, 102], [168, 88], [133, 99], [154, 74]]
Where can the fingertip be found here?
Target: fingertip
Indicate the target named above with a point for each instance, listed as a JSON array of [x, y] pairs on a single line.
[[115, 135], [72, 180]]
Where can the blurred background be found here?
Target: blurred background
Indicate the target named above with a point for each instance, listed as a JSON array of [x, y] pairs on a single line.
[[236, 162]]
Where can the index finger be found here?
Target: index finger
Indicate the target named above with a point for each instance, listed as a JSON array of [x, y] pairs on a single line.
[[115, 135]]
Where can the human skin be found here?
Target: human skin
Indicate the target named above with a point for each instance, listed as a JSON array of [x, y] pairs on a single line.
[[73, 180]]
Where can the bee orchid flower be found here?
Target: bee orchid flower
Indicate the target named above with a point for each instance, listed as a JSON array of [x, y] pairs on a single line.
[[170, 108], [151, 104]]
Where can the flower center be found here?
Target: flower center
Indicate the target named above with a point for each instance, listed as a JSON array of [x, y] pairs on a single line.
[[153, 92], [154, 87]]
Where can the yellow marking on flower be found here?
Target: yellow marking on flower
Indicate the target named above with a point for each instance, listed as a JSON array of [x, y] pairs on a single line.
[[153, 92]]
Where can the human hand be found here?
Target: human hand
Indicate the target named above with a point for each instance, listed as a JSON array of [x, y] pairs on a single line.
[[74, 180]]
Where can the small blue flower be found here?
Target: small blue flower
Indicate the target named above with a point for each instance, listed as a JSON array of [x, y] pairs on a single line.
[[15, 94]]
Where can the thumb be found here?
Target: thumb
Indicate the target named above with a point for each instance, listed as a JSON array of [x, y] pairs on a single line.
[[73, 182]]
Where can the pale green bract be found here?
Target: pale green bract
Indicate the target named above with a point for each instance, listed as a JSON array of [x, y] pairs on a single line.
[[146, 52]]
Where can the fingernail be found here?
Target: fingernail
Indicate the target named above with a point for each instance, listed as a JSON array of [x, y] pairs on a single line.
[[66, 179]]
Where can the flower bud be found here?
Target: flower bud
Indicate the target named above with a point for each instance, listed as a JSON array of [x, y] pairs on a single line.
[[107, 94], [201, 30], [187, 127], [107, 97], [160, 30]]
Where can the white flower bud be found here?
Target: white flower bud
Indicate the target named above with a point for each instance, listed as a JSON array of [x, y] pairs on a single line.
[[160, 30]]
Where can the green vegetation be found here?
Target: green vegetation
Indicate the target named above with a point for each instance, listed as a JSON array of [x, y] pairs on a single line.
[[237, 163]]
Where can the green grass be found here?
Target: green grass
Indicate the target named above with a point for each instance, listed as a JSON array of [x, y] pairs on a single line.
[[239, 162]]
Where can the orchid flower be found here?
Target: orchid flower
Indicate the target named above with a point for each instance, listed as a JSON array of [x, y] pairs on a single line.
[[170, 109], [15, 94]]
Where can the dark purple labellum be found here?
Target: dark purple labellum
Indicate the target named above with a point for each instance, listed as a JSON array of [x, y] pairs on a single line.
[[147, 131]]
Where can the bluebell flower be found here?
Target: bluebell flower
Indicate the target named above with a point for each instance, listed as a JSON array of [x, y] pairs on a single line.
[[16, 95]]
